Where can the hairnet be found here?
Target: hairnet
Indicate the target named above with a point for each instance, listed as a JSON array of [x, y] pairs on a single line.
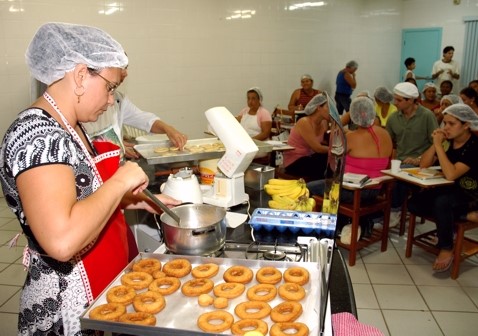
[[452, 98], [306, 76], [352, 64], [406, 90], [364, 93], [429, 85], [383, 94], [362, 111], [256, 90], [57, 48], [315, 102], [464, 113]]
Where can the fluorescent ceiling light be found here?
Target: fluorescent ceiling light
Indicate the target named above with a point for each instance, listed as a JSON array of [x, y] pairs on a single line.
[[241, 14], [304, 5]]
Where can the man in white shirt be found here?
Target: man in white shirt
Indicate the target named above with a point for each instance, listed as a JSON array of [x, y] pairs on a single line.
[[446, 68]]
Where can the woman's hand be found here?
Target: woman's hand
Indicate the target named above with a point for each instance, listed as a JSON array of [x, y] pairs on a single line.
[[438, 137], [133, 176]]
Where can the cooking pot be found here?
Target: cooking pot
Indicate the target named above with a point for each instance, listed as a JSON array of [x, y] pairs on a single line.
[[202, 230]]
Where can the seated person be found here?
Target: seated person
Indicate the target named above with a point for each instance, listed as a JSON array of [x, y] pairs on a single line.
[[255, 119], [429, 99], [446, 101], [309, 157], [470, 98], [301, 97], [455, 147], [474, 85], [446, 87], [383, 104], [347, 121]]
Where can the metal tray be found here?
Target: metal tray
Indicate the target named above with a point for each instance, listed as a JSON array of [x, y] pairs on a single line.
[[180, 314]]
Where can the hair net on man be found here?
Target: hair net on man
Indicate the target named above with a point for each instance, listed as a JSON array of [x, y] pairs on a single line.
[[362, 111], [406, 90], [257, 91], [383, 94], [315, 102], [452, 98], [464, 113], [57, 48]]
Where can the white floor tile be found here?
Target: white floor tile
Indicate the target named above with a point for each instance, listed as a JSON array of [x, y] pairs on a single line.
[[424, 275], [447, 298], [388, 274], [472, 293], [399, 297], [468, 276], [374, 318], [8, 321], [376, 256], [365, 296], [358, 274], [9, 255], [411, 323], [12, 305], [457, 324], [6, 294], [13, 275]]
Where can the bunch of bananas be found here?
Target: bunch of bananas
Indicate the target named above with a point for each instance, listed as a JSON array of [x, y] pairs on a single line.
[[289, 195]]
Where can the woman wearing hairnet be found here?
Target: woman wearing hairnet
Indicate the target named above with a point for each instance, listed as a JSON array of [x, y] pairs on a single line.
[[430, 94], [369, 149], [65, 191], [454, 148], [308, 159], [302, 96], [254, 118], [446, 101], [383, 104]]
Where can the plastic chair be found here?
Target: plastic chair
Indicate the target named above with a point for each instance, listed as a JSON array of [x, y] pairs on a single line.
[[357, 209], [464, 246]]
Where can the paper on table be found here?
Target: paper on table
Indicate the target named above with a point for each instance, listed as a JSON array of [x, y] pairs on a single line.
[[235, 219]]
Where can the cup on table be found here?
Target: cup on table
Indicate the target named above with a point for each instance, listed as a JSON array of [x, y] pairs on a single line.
[[395, 166]]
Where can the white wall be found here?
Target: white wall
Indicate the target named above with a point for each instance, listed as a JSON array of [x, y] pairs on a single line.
[[185, 57]]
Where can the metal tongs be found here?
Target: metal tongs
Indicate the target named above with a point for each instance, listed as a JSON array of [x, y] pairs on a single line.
[[163, 206]]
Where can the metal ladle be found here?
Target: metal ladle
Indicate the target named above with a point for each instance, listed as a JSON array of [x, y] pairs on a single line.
[[163, 206]]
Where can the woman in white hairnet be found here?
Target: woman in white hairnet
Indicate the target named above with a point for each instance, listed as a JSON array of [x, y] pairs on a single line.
[[66, 191], [254, 118], [454, 148]]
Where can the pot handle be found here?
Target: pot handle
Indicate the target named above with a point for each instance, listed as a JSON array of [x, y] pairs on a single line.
[[198, 232]]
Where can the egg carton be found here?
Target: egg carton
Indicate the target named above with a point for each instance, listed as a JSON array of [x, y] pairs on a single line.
[[289, 221]]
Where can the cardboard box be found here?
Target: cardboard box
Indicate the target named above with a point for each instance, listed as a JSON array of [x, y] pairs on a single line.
[[257, 175]]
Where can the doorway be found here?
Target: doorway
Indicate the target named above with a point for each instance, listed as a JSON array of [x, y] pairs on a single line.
[[424, 45]]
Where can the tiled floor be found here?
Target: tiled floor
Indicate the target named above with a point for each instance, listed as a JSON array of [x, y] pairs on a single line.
[[399, 296]]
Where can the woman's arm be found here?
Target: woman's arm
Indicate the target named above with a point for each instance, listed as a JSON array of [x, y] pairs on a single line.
[[61, 224], [293, 101], [265, 134], [350, 78], [450, 170]]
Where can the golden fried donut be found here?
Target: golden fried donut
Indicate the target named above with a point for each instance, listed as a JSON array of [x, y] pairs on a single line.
[[229, 290], [149, 302], [204, 321], [247, 325], [137, 280], [138, 318], [262, 292], [240, 274], [165, 285], [159, 274], [121, 294], [278, 329], [196, 287], [161, 149], [177, 268], [252, 310], [205, 271], [268, 275], [291, 291], [148, 265], [205, 300], [298, 275], [221, 303], [108, 312], [287, 311]]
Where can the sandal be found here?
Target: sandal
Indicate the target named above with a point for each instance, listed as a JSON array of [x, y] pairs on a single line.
[[445, 261]]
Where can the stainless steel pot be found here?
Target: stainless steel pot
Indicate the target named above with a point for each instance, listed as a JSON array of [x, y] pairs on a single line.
[[202, 230]]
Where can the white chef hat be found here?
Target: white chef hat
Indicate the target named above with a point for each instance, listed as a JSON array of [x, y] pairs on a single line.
[[315, 102], [464, 113], [428, 86], [362, 111], [406, 90], [256, 90], [57, 48]]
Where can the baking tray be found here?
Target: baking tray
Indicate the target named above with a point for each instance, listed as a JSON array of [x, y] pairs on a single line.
[[180, 314]]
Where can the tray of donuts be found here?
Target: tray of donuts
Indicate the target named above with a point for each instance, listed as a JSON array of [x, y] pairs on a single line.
[[186, 295]]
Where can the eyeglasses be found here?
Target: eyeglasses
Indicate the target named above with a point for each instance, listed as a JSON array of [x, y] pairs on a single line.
[[110, 85]]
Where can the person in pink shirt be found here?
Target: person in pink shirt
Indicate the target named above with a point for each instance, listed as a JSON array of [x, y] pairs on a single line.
[[255, 119]]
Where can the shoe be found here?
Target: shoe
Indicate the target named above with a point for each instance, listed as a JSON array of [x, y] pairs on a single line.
[[394, 218], [447, 261]]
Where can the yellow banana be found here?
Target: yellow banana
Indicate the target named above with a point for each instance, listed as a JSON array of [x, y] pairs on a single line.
[[275, 181], [311, 204], [283, 199], [284, 190], [280, 206], [296, 193]]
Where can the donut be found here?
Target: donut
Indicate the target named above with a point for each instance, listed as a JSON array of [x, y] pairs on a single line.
[[278, 329], [205, 300], [262, 292], [287, 311], [204, 321], [252, 310], [159, 274], [205, 271], [149, 302], [240, 274], [161, 149], [196, 287], [138, 318], [148, 265], [291, 291], [177, 268], [108, 312], [165, 285], [247, 325], [298, 275], [221, 303], [137, 280], [229, 290], [121, 294], [268, 275]]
